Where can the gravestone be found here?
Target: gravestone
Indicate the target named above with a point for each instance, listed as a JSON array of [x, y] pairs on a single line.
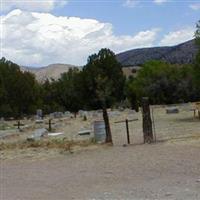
[[56, 115], [172, 110], [38, 134], [67, 114], [39, 114]]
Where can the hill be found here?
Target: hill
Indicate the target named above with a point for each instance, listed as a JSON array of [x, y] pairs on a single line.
[[180, 54], [51, 71], [131, 60]]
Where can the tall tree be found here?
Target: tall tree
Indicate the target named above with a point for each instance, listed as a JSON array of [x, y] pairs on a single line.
[[104, 83], [197, 40], [164, 83], [69, 94], [18, 90], [197, 60]]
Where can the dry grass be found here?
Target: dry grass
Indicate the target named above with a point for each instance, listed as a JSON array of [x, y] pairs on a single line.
[[46, 144]]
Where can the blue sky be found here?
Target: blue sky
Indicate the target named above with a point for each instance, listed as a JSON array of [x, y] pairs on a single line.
[[170, 15], [34, 33]]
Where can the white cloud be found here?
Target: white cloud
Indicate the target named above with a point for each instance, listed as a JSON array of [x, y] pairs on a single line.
[[42, 38], [159, 1], [134, 3], [31, 5], [131, 3], [176, 37], [195, 6]]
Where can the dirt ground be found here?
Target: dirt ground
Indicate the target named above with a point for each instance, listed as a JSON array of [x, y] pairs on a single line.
[[167, 170]]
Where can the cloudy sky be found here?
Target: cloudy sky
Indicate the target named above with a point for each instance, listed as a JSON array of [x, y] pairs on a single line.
[[41, 32]]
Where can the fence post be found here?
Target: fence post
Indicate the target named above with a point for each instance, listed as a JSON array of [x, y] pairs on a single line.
[[127, 131], [50, 129], [147, 122]]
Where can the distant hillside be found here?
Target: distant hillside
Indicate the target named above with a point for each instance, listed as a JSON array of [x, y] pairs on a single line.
[[180, 54], [50, 71]]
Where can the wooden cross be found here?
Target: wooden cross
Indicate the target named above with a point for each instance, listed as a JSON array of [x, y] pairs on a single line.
[[18, 125], [127, 127], [50, 125]]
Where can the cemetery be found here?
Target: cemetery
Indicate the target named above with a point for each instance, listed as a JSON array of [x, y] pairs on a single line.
[[88, 128]]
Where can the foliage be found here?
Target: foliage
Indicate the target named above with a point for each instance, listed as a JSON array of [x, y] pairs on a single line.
[[164, 83], [104, 80], [18, 90], [197, 61], [69, 94]]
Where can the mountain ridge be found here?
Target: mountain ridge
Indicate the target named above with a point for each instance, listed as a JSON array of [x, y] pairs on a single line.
[[183, 53]]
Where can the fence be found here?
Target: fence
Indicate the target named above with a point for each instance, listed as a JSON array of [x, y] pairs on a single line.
[[180, 124], [166, 126]]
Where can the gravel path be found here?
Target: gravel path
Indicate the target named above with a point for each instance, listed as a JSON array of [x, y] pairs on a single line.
[[166, 171]]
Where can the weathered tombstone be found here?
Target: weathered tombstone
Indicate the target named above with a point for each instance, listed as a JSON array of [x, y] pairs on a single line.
[[147, 122]]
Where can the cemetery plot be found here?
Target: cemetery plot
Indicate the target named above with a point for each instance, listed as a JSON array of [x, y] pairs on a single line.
[[168, 122]]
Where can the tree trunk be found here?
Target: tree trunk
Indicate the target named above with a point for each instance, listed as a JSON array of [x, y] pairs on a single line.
[[147, 122], [107, 126]]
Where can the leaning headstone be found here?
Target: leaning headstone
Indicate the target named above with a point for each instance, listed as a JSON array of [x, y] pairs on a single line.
[[172, 110]]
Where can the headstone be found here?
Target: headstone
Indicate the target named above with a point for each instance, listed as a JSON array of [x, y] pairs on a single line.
[[67, 114], [85, 132], [38, 133], [39, 114], [39, 121], [56, 115], [82, 113], [172, 110], [55, 134]]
